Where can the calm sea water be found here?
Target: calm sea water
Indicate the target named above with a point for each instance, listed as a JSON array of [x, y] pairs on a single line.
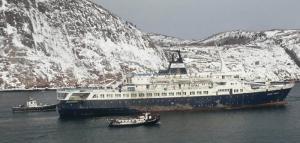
[[263, 125]]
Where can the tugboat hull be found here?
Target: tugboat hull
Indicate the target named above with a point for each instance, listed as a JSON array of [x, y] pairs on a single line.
[[147, 119], [86, 108], [148, 123]]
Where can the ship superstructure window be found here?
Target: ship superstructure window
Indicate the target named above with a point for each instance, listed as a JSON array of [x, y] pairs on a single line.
[[224, 90], [241, 90], [79, 96], [221, 83], [236, 90], [183, 93], [101, 95], [109, 95], [141, 95], [171, 94], [178, 93], [199, 92], [192, 93], [156, 94], [125, 95], [149, 94], [164, 94], [118, 95], [95, 96], [62, 95], [133, 95], [205, 92], [131, 88]]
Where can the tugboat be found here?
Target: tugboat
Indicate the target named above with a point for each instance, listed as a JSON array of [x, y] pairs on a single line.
[[33, 106], [145, 119]]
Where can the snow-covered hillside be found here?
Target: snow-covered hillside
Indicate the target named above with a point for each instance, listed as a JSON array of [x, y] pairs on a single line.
[[67, 43], [273, 55]]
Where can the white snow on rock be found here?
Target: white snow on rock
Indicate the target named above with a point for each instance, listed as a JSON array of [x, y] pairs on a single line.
[[269, 55], [59, 43], [68, 43]]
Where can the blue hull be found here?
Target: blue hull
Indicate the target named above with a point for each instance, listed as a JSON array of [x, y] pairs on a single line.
[[134, 106]]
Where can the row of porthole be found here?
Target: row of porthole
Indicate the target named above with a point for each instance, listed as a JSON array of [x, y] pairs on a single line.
[[135, 95]]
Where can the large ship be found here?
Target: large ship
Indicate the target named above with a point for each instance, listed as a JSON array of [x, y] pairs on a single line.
[[172, 90]]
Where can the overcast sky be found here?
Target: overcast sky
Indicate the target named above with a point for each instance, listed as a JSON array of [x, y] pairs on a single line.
[[198, 19]]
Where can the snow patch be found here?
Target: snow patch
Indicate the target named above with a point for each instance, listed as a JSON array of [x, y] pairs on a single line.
[[3, 7], [26, 28], [272, 33], [10, 29]]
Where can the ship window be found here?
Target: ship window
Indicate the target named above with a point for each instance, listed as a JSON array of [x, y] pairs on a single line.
[[205, 92], [95, 96], [126, 95], [141, 94], [171, 94], [109, 96], [62, 95], [183, 93], [178, 93], [133, 95], [221, 83], [118, 95], [164, 94], [224, 90], [241, 90], [131, 88], [236, 90], [192, 93], [199, 92], [156, 94], [101, 95], [79, 96], [149, 94]]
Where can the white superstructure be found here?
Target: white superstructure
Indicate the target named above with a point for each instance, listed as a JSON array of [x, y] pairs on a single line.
[[165, 86]]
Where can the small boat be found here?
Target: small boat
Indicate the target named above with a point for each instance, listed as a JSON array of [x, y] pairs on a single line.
[[33, 106], [145, 119]]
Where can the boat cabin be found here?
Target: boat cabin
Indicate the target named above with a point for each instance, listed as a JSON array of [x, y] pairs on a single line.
[[32, 103]]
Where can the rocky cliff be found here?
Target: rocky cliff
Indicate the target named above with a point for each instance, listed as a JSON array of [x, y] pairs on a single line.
[[273, 54], [67, 43], [58, 43]]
